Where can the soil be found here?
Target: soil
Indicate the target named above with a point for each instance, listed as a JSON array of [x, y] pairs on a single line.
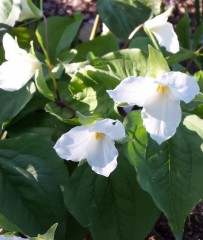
[[161, 230]]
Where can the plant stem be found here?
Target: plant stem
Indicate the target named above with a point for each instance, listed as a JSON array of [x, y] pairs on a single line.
[[3, 135], [48, 61], [95, 27], [130, 37]]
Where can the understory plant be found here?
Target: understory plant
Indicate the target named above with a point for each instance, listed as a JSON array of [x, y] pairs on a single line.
[[99, 137]]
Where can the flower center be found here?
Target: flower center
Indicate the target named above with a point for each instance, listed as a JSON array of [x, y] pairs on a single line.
[[162, 88], [98, 135]]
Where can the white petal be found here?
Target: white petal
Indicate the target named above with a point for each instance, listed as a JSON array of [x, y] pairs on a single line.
[[15, 74], [162, 18], [113, 128], [11, 48], [161, 116], [102, 155], [183, 87], [73, 144], [166, 37], [133, 90], [11, 238]]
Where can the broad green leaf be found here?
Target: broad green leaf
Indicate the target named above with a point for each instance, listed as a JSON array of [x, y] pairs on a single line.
[[11, 103], [193, 105], [112, 208], [122, 16], [156, 63], [123, 63], [42, 85], [108, 42], [58, 34], [183, 31], [89, 95], [38, 122], [182, 55], [170, 172], [31, 178], [7, 224], [141, 43], [197, 37]]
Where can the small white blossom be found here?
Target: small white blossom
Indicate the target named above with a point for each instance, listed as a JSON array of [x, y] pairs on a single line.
[[163, 31], [160, 98], [19, 67], [94, 143]]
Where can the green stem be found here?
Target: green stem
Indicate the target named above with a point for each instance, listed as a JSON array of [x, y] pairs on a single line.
[[95, 27], [151, 36], [48, 61], [130, 37], [28, 23], [41, 5], [3, 135]]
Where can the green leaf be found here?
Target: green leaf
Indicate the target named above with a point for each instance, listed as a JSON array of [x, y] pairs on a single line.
[[197, 37], [29, 10], [182, 55], [49, 235], [170, 172], [141, 43], [58, 34], [7, 224], [11, 103], [199, 77], [108, 42], [112, 208], [32, 177], [183, 31], [122, 16], [38, 122], [89, 94], [156, 63], [123, 63], [42, 85]]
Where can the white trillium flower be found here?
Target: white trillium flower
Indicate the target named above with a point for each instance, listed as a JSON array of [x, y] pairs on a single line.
[[160, 98], [19, 67], [94, 143], [163, 31]]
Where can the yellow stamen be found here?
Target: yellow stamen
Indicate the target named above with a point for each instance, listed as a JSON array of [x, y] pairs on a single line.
[[162, 88], [98, 135]]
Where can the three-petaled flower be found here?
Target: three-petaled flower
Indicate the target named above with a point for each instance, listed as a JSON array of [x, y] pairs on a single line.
[[163, 31], [160, 98], [19, 67], [95, 143]]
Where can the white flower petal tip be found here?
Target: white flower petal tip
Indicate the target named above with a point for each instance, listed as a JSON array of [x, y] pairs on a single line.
[[163, 31], [11, 238], [19, 68], [160, 98], [94, 143]]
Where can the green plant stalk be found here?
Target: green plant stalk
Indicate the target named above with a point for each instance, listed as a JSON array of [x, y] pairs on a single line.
[[151, 36], [94, 28], [3, 135], [48, 62], [130, 37]]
